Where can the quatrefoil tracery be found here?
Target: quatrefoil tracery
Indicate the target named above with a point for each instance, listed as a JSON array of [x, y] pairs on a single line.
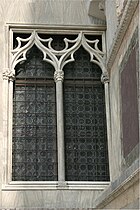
[[58, 58]]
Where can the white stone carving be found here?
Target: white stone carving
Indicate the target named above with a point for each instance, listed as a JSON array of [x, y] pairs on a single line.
[[96, 55], [59, 75], [58, 58], [8, 75], [19, 54], [119, 7], [105, 77]]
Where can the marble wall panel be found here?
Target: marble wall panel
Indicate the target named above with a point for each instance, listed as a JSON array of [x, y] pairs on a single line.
[[115, 99], [129, 98], [115, 125], [62, 12], [50, 199], [111, 21]]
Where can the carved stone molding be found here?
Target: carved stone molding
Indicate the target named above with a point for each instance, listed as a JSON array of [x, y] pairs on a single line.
[[105, 77], [58, 76], [125, 20], [8, 75], [102, 5], [119, 7]]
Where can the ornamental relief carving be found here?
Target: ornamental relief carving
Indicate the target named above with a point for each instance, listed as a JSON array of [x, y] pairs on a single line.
[[58, 75], [119, 7], [58, 59], [8, 75], [105, 77]]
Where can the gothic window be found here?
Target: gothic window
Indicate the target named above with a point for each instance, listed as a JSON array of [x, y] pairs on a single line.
[[34, 121], [36, 149], [85, 121]]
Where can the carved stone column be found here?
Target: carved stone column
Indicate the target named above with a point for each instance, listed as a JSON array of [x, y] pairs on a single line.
[[58, 77], [105, 81], [8, 77]]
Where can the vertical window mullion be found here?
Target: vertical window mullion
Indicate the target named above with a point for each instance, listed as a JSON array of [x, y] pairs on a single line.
[[60, 130]]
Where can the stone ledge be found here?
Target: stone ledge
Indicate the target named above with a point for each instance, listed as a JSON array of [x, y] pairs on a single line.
[[126, 180]]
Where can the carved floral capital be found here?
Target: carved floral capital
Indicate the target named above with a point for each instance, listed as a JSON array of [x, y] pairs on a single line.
[[9, 75], [105, 77], [59, 76]]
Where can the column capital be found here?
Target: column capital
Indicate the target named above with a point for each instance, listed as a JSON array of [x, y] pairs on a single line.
[[58, 75], [8, 75], [105, 77]]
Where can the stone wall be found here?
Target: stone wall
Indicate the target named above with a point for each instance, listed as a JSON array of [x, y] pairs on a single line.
[[115, 94], [123, 65], [111, 21], [54, 12], [129, 97]]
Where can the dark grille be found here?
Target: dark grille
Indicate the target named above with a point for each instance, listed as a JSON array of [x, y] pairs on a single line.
[[85, 123], [34, 119]]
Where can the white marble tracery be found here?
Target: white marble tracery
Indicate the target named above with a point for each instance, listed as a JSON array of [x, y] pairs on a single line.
[[56, 58]]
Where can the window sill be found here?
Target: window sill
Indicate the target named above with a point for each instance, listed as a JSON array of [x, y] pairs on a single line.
[[69, 185]]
